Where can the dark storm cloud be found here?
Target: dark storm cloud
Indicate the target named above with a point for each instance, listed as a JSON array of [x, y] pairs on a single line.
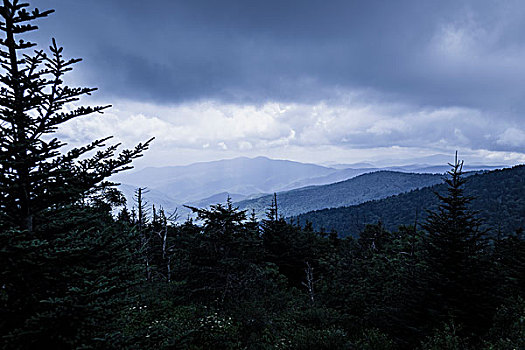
[[253, 51]]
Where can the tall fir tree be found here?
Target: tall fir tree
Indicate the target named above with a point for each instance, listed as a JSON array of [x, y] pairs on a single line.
[[457, 257], [65, 267], [34, 175]]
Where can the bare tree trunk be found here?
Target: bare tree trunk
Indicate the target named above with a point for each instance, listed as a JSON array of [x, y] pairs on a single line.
[[144, 242], [309, 284], [169, 270]]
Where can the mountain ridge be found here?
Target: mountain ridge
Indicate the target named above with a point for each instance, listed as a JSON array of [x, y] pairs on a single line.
[[379, 184], [203, 183], [499, 196]]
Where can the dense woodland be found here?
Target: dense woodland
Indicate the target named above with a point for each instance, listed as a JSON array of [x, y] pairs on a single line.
[[498, 198], [74, 276]]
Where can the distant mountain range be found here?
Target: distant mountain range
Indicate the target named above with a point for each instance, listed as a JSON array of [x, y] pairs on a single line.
[[205, 183], [359, 189], [499, 196], [244, 176]]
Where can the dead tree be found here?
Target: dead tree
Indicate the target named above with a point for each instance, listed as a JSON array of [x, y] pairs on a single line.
[[309, 283]]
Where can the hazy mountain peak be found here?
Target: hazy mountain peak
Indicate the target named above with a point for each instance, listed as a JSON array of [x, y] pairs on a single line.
[[241, 175]]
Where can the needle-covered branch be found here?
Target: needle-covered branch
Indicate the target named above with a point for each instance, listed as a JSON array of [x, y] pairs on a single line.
[[34, 102]]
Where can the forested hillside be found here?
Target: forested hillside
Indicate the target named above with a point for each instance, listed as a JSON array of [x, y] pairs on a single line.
[[253, 180], [356, 190], [499, 196]]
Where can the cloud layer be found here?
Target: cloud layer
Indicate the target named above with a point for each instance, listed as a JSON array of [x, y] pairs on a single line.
[[246, 77], [323, 131]]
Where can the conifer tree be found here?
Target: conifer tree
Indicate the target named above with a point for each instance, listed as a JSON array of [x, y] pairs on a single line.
[[457, 258], [34, 175], [66, 269]]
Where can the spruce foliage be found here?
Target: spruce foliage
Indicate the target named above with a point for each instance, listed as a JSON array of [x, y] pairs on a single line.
[[66, 267], [34, 174], [457, 257]]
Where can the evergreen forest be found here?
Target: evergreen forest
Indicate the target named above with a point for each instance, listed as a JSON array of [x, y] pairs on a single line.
[[73, 275], [498, 197]]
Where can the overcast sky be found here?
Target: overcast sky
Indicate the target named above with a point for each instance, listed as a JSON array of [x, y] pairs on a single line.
[[314, 81]]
